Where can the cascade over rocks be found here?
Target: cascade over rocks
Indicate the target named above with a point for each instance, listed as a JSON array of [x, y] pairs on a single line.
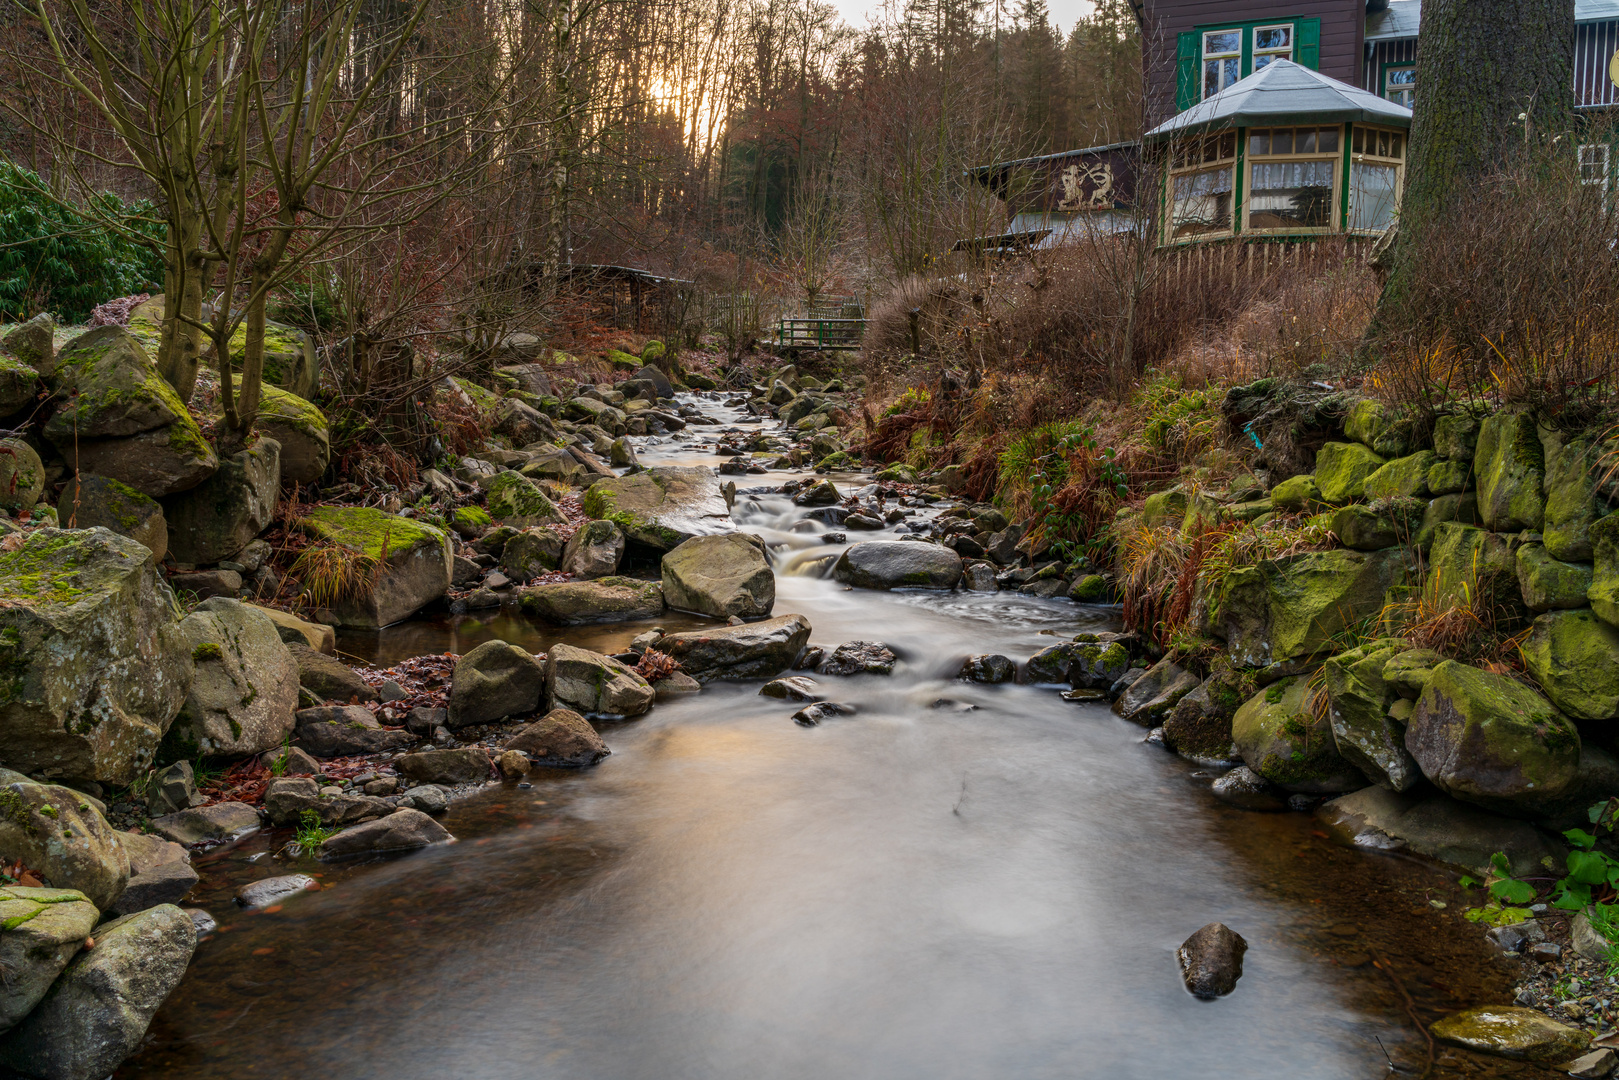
[[94, 665], [721, 576]]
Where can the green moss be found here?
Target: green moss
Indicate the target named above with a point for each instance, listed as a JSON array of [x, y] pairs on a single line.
[[288, 408], [471, 517], [48, 569], [371, 532], [185, 437], [206, 651], [1273, 693], [14, 808]]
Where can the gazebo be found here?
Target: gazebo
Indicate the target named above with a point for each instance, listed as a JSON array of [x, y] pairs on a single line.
[[1285, 153]]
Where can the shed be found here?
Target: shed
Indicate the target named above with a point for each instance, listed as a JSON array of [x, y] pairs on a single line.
[[1286, 152]]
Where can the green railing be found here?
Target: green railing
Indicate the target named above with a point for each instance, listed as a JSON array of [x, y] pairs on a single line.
[[820, 333]]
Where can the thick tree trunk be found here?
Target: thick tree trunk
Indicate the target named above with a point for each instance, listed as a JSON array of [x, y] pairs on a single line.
[[1495, 76]]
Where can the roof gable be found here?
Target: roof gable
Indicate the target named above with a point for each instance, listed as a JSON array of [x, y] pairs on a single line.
[[1283, 93]]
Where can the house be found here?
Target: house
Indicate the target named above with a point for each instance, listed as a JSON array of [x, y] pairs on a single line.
[[1052, 198]]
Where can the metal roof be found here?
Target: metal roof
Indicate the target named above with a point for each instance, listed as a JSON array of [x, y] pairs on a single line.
[[1282, 93], [1402, 17], [982, 171]]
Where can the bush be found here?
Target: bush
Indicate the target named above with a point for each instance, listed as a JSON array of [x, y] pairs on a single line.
[[58, 260]]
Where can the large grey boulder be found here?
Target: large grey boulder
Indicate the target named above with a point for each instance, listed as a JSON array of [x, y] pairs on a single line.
[[244, 686], [751, 651], [531, 553], [1282, 738], [94, 669], [895, 564], [329, 731], [223, 821], [663, 507], [721, 576], [44, 928], [327, 677], [99, 1008], [609, 599], [88, 501], [1440, 828], [301, 429], [594, 685], [402, 830], [1488, 739], [1295, 606], [160, 873], [494, 681], [32, 342], [560, 737], [1510, 465], [1358, 703], [219, 516], [594, 551], [409, 564]]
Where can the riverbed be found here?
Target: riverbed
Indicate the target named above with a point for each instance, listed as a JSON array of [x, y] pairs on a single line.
[[958, 881]]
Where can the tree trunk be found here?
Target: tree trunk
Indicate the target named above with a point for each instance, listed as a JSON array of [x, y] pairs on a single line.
[[1484, 64], [179, 353]]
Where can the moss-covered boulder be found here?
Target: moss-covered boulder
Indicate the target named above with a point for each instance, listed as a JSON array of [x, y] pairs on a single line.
[[1461, 508], [63, 835], [22, 475], [605, 600], [244, 686], [407, 564], [1604, 591], [1511, 1031], [584, 410], [1294, 606], [721, 576], [1449, 477], [531, 553], [1575, 658], [663, 507], [89, 501], [221, 515], [107, 387], [1573, 467], [1341, 470], [44, 929], [32, 343], [593, 685], [1364, 732], [1297, 495], [1282, 738], [1510, 465], [1406, 476], [594, 551], [1387, 430], [1473, 565], [1489, 739], [289, 358], [1408, 671], [301, 429], [159, 462], [1548, 583], [1455, 437], [1164, 508], [517, 501], [1198, 728], [1364, 529], [91, 665]]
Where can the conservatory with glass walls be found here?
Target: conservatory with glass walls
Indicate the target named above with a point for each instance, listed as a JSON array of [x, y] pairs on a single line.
[[1285, 153]]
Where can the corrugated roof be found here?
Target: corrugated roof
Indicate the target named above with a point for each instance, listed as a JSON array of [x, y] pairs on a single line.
[[1282, 93], [1402, 17]]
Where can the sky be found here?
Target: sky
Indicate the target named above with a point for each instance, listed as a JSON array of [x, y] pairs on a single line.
[[1063, 12]]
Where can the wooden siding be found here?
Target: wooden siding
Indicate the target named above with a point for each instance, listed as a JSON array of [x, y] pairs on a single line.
[[1594, 45], [1381, 53], [1342, 33]]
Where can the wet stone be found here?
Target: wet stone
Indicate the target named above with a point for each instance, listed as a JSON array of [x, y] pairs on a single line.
[[262, 894], [1211, 960], [811, 715], [791, 688]]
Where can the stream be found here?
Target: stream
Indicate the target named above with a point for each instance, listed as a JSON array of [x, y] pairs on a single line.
[[959, 881]]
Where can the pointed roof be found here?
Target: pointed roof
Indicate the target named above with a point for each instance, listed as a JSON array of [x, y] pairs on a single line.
[[1279, 94]]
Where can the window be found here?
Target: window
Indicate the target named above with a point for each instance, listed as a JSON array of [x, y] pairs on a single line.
[[1272, 43], [1222, 60], [1376, 157], [1400, 85], [1594, 169], [1201, 186], [1292, 176]]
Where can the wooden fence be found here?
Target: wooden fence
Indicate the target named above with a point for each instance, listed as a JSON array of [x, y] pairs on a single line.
[[1258, 259]]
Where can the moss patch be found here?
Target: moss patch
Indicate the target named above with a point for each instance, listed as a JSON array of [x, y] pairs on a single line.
[[369, 531]]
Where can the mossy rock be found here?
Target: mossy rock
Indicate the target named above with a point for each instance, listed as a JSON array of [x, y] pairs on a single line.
[[1409, 670], [22, 475], [1341, 470], [1510, 1031], [108, 388], [1281, 738], [652, 352], [1455, 436], [620, 359], [411, 563], [1359, 699], [1385, 430], [663, 507], [1575, 657], [1363, 529], [515, 500], [841, 461], [1488, 739], [1297, 495], [897, 474], [1510, 465], [89, 501], [220, 516], [289, 358], [19, 384], [1089, 589], [301, 429], [1573, 467], [1464, 557], [1547, 583], [1406, 476], [1295, 606], [1604, 591], [1164, 508], [1462, 509], [470, 522], [1449, 477]]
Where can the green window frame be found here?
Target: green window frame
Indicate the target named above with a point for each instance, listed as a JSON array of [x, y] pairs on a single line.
[[1402, 92], [1305, 46]]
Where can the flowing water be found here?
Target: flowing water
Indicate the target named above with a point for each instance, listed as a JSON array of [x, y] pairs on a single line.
[[957, 882]]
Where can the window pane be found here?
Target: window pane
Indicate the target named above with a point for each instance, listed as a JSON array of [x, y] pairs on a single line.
[[1401, 77], [1259, 143], [1211, 78], [1326, 141], [1382, 144], [1290, 195], [1232, 72], [1360, 140], [1304, 142], [1396, 145], [1220, 42], [1281, 141], [1371, 195], [1228, 145], [1201, 203], [1261, 59], [1273, 37]]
